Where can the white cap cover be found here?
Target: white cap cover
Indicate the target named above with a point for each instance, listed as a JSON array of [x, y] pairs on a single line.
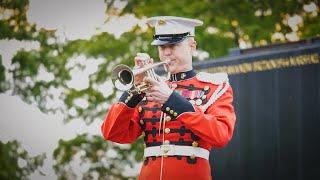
[[176, 28]]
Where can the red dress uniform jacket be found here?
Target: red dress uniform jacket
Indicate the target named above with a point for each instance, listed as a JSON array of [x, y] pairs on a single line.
[[199, 113]]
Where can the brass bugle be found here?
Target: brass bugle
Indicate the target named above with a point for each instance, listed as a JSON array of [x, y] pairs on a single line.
[[123, 76]]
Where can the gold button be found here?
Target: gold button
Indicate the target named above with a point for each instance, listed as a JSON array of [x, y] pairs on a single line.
[[171, 111], [198, 102], [165, 155], [175, 114], [141, 121], [204, 97], [143, 134], [166, 142], [183, 75], [144, 145], [174, 86], [192, 156], [195, 144], [206, 88], [192, 101], [168, 118], [167, 109], [140, 108], [167, 130]]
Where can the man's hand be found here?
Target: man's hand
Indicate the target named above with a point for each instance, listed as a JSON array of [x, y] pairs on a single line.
[[139, 61], [158, 92]]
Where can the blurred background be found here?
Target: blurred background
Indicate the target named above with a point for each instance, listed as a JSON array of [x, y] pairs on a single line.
[[55, 89]]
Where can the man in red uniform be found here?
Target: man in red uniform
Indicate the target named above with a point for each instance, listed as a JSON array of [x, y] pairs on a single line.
[[182, 118]]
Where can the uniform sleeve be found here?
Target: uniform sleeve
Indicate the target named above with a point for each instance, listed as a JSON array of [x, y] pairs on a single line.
[[121, 124], [215, 125]]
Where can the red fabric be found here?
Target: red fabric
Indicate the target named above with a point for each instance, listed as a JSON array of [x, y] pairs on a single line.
[[214, 127], [121, 124], [174, 169]]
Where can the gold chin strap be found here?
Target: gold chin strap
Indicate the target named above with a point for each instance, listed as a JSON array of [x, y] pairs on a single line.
[[162, 120], [163, 123]]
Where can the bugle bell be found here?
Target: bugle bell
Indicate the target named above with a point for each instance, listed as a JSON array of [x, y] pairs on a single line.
[[123, 77]]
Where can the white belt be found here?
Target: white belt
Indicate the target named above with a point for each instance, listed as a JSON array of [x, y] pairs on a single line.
[[173, 150]]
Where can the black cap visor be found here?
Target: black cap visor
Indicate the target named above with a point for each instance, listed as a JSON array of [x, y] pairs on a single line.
[[167, 39]]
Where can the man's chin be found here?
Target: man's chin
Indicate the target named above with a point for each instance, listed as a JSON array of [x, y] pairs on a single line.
[[173, 70]]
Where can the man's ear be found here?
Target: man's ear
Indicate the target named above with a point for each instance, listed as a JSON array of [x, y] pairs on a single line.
[[193, 44]]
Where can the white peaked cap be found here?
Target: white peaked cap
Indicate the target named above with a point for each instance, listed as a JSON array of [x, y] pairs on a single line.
[[173, 25]]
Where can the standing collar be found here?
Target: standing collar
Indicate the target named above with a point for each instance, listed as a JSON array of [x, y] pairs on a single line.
[[182, 76]]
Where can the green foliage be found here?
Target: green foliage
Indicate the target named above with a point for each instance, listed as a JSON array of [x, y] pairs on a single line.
[[3, 82], [55, 58], [2, 71], [14, 24], [15, 163], [98, 158], [253, 22]]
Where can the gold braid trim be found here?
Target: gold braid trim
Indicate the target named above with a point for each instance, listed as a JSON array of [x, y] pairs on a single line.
[[264, 65]]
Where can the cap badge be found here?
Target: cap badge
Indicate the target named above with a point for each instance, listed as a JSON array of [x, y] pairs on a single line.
[[183, 75], [161, 22]]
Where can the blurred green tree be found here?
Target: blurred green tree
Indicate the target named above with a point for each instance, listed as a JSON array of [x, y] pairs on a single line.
[[15, 163], [3, 82], [42, 77], [99, 160]]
